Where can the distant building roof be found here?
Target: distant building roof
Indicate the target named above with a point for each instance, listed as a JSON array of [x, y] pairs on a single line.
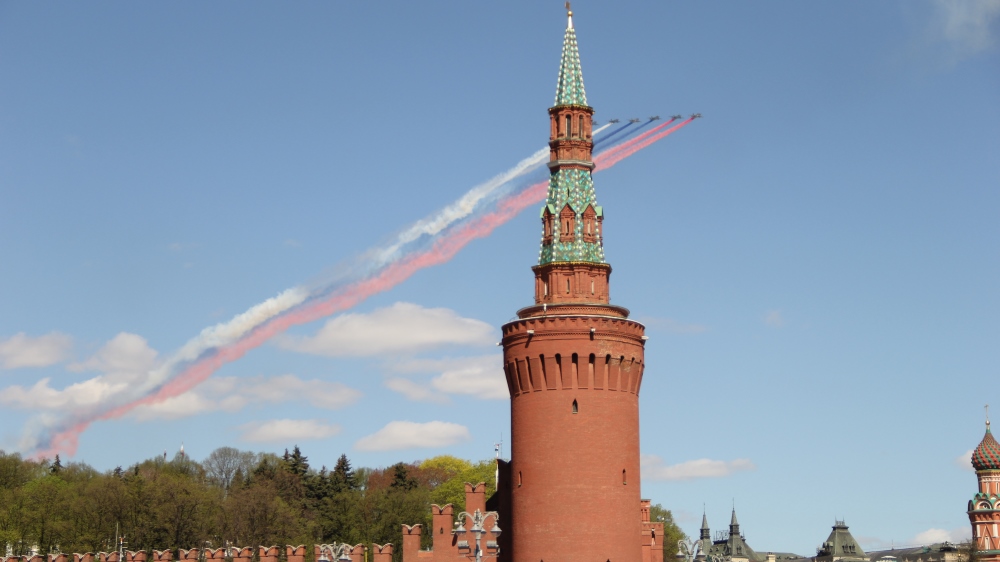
[[840, 545]]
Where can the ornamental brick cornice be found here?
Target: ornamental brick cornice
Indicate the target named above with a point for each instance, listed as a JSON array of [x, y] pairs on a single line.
[[559, 108], [586, 329]]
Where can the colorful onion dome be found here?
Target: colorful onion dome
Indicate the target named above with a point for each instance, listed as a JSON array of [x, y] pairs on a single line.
[[987, 454]]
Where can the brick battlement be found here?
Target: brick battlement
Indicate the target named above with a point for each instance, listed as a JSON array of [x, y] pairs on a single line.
[[448, 546], [379, 553]]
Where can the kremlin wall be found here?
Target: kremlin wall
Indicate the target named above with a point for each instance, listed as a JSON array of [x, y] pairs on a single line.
[[299, 553]]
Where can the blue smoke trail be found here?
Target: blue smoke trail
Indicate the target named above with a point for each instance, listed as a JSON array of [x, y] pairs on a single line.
[[609, 136]]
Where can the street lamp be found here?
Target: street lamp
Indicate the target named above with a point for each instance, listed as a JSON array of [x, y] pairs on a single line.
[[478, 519], [689, 551], [338, 552]]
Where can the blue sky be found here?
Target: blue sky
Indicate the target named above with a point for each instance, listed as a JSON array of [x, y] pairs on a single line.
[[816, 260]]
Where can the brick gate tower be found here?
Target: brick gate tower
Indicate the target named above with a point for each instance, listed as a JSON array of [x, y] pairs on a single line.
[[574, 365]]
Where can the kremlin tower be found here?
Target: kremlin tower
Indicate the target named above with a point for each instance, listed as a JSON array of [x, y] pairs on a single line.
[[574, 365], [984, 507]]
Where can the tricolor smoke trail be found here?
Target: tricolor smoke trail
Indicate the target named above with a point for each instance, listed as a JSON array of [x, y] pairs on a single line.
[[431, 241], [607, 138]]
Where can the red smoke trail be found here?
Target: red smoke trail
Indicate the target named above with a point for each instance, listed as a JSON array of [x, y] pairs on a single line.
[[638, 138], [441, 251], [614, 156]]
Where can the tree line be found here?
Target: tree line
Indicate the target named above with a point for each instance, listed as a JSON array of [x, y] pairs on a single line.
[[232, 498]]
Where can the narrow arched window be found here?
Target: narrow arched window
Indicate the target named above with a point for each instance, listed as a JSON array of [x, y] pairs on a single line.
[[592, 286], [545, 288], [576, 408], [624, 480], [567, 286], [581, 127], [519, 479], [569, 126]]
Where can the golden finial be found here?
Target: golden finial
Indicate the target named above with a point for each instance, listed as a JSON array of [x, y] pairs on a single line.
[[569, 16]]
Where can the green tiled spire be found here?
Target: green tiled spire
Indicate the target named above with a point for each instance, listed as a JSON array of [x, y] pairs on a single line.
[[571, 184], [569, 90], [573, 187]]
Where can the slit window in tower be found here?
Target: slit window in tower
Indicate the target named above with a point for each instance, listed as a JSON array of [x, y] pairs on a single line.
[[624, 480], [567, 286], [576, 407], [581, 127], [545, 288], [519, 479], [569, 126], [592, 286]]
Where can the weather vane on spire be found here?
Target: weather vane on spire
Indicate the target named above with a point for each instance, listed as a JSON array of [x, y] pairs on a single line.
[[569, 15], [987, 410]]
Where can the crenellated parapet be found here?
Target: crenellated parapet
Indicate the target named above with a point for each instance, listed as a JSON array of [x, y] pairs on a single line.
[[454, 539], [288, 553]]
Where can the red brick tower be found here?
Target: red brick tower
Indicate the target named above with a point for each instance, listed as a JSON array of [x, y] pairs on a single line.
[[574, 365]]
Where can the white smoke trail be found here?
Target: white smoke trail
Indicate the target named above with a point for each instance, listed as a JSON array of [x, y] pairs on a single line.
[[459, 209], [465, 205], [225, 333]]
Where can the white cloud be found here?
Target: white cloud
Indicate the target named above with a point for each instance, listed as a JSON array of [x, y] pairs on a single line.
[[774, 319], [969, 25], [125, 360], [480, 377], [125, 353], [21, 350], [232, 394], [931, 536], [287, 431], [408, 435], [415, 391], [400, 328], [654, 469], [964, 461]]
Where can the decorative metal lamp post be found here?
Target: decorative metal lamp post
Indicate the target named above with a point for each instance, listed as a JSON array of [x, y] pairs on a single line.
[[690, 551], [478, 519], [336, 552]]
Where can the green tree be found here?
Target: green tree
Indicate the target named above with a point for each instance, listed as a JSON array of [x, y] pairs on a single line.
[[671, 532], [452, 490], [45, 503]]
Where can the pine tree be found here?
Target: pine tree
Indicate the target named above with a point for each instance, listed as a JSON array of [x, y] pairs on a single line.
[[401, 478], [342, 478], [56, 466], [297, 463]]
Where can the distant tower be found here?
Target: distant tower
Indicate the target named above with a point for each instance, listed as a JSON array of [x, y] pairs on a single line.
[[984, 507], [706, 535], [574, 366]]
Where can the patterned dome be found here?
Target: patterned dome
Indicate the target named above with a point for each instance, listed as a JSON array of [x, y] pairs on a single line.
[[987, 454]]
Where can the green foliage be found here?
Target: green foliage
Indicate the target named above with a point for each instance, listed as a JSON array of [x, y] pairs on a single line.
[[232, 497], [452, 490], [671, 532]]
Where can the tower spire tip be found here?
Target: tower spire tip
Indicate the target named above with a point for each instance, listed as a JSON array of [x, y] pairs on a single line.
[[569, 16]]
